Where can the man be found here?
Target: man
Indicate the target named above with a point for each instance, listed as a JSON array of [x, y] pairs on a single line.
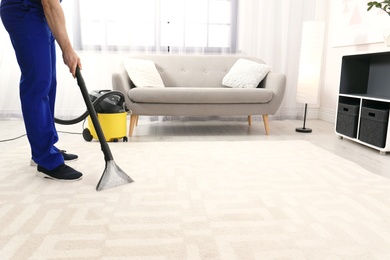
[[33, 27]]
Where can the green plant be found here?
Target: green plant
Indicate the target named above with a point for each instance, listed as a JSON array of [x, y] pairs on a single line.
[[384, 5]]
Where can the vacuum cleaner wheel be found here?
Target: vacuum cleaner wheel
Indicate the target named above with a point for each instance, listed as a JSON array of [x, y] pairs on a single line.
[[87, 135]]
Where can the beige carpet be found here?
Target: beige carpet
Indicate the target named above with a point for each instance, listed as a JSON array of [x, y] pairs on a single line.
[[197, 200]]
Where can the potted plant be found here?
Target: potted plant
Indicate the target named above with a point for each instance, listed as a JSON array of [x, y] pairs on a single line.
[[384, 5]]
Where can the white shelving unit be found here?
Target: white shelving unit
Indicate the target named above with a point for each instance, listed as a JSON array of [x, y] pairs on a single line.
[[364, 100]]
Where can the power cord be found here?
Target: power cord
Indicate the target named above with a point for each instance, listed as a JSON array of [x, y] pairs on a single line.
[[62, 132], [12, 139], [70, 133], [23, 135]]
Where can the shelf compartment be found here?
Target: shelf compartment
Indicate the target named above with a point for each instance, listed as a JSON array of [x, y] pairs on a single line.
[[348, 116], [366, 74], [374, 123]]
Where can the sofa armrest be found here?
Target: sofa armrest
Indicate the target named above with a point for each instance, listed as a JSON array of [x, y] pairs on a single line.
[[277, 83]]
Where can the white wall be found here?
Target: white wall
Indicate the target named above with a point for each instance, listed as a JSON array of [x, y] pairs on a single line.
[[332, 62]]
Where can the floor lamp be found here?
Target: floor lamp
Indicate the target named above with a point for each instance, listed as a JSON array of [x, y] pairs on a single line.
[[310, 66]]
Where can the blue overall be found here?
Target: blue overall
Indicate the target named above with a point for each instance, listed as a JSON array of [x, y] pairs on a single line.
[[34, 47]]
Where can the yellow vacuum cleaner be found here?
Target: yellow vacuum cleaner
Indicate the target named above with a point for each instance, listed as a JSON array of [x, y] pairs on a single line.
[[111, 113], [113, 126]]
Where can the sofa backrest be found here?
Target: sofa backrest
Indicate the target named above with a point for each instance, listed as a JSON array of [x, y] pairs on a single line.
[[187, 70]]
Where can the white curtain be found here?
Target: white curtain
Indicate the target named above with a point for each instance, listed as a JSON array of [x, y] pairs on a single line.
[[9, 78], [270, 30]]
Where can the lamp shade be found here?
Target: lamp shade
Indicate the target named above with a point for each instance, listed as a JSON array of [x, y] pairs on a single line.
[[310, 62]]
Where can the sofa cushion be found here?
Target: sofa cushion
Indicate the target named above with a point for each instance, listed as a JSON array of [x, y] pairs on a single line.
[[245, 74], [182, 95], [143, 73]]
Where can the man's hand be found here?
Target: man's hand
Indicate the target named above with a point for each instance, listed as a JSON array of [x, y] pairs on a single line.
[[72, 60]]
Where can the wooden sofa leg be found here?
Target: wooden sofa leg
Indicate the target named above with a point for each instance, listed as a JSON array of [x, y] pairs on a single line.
[[249, 120], [136, 122], [133, 121], [266, 125]]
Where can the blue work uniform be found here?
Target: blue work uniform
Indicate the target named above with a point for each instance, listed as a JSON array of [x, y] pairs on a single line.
[[35, 51]]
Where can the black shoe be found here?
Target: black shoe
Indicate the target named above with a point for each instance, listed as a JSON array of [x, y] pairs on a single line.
[[61, 173], [68, 157]]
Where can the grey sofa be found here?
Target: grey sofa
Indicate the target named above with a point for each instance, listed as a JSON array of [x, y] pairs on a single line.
[[193, 87]]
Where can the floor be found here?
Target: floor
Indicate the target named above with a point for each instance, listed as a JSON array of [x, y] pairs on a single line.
[[185, 129]]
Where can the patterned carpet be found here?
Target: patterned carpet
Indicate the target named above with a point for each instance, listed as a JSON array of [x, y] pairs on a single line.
[[197, 200]]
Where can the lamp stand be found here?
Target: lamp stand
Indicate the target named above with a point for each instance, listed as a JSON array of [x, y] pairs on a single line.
[[304, 129]]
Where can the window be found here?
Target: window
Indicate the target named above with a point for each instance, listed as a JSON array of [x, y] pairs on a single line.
[[156, 25]]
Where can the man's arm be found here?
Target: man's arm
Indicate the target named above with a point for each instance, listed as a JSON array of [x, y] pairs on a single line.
[[56, 20]]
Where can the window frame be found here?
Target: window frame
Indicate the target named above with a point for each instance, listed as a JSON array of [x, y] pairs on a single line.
[[78, 44]]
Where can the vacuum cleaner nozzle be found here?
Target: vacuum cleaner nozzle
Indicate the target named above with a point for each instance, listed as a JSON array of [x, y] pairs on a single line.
[[112, 176]]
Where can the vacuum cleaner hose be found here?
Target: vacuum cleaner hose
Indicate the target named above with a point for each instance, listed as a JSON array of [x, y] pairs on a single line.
[[86, 113]]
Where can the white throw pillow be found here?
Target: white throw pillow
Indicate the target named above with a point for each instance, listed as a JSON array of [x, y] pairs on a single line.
[[245, 74], [143, 73]]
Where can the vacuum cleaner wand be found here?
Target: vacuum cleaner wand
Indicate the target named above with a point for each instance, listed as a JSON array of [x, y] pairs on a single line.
[[113, 175]]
